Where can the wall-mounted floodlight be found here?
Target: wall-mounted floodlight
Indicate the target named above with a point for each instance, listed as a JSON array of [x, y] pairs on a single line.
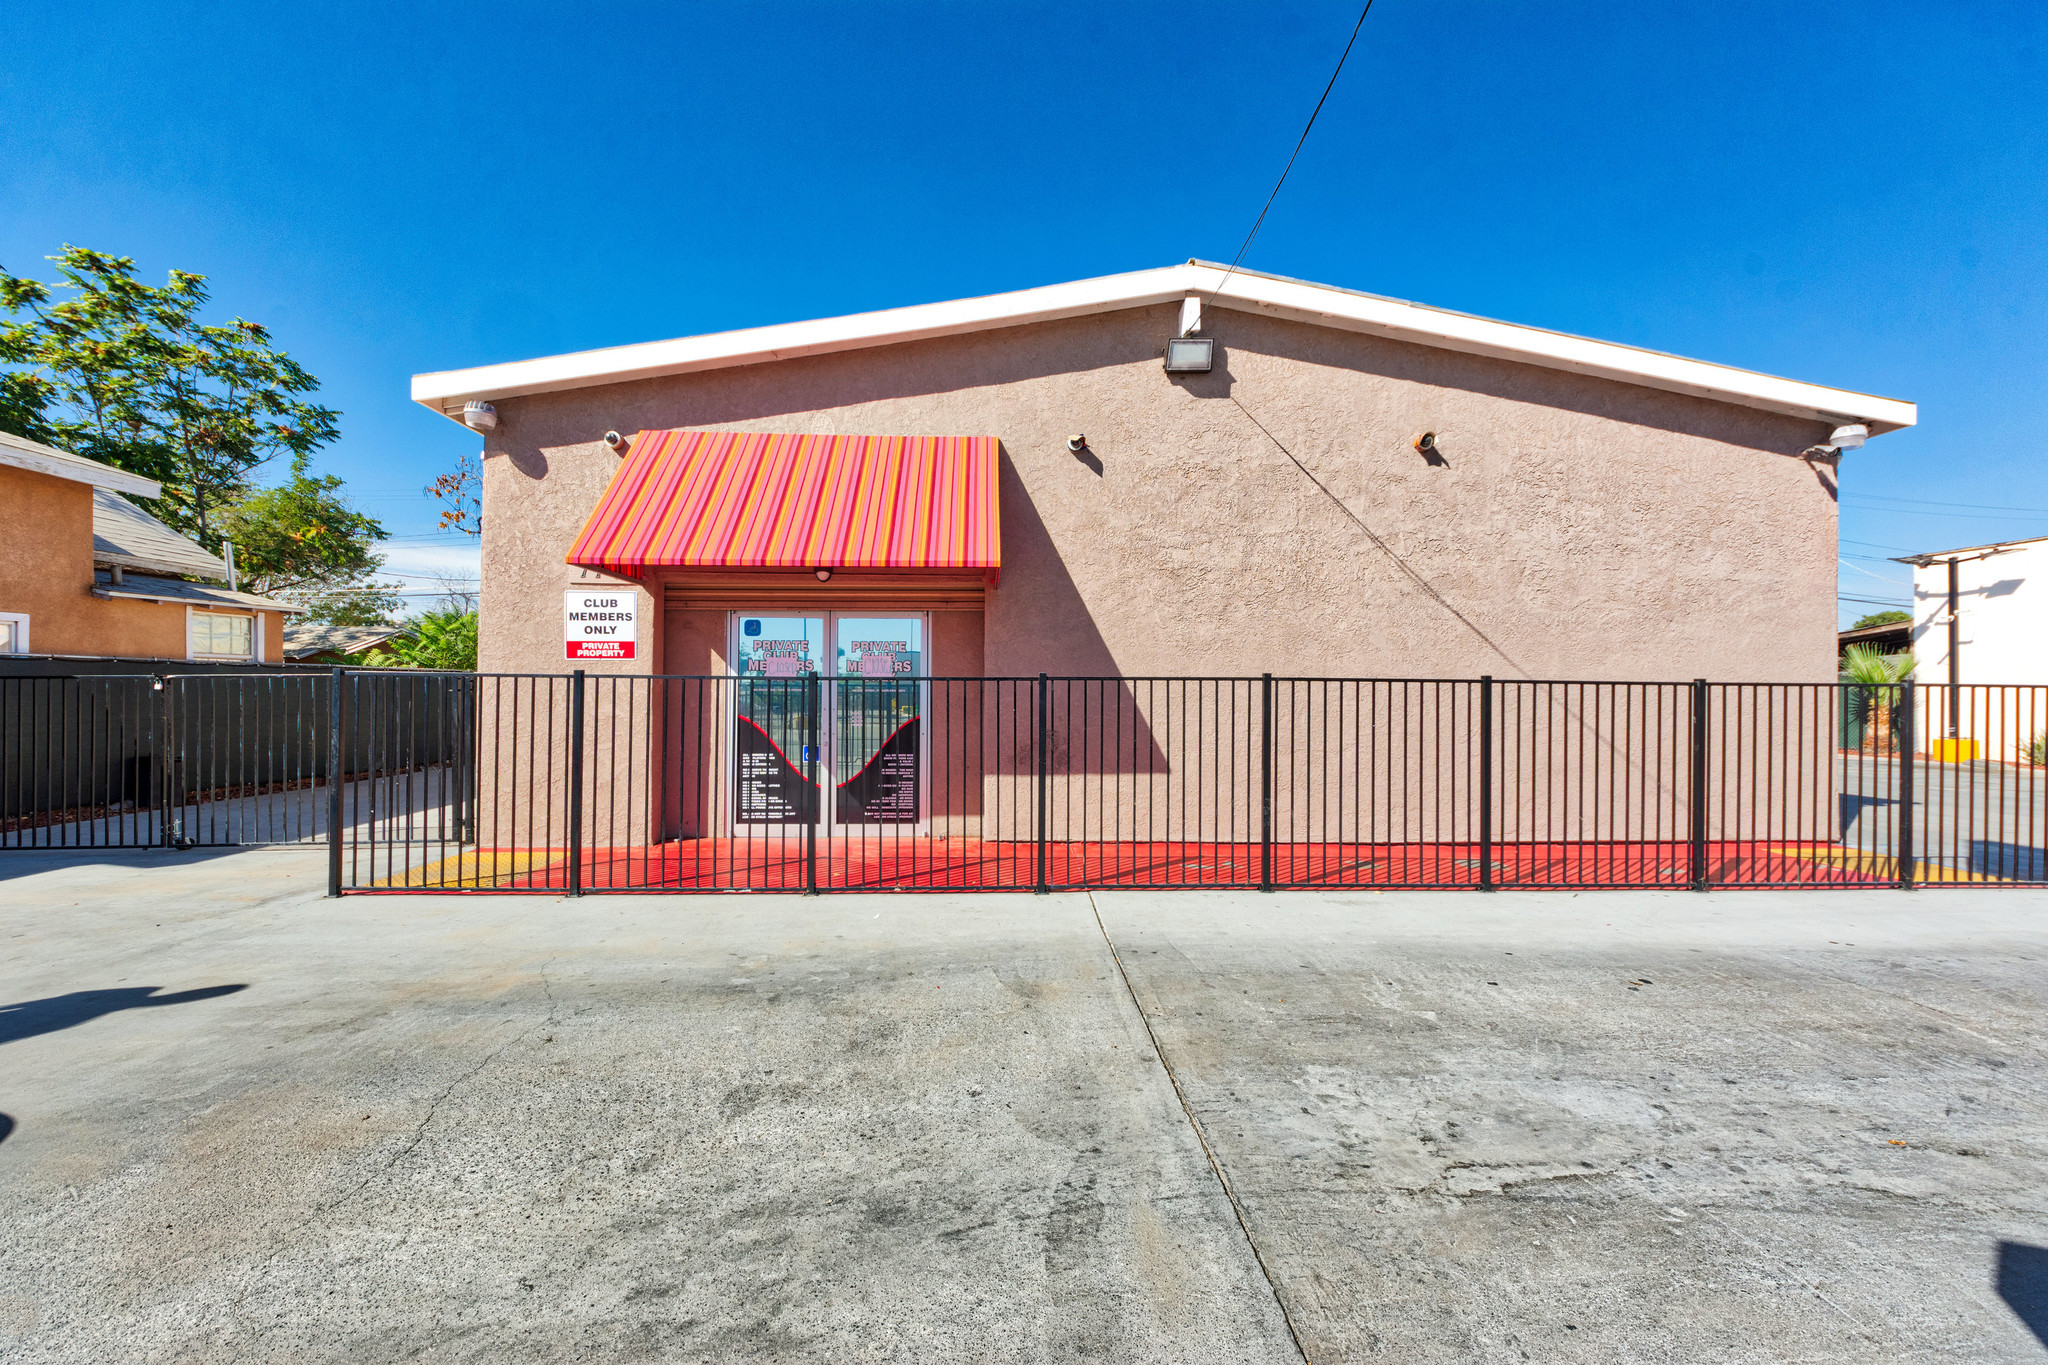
[[1849, 437], [1190, 355], [478, 415]]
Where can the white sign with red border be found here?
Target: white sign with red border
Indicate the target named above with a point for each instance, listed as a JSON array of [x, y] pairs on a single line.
[[597, 623]]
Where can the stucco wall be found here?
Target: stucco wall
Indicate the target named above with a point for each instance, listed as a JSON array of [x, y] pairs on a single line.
[[1571, 527], [46, 557]]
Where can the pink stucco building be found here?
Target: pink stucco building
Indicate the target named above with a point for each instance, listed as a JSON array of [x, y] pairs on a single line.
[[1352, 486]]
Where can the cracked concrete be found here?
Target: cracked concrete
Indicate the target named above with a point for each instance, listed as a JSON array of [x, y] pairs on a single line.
[[1651, 1126], [495, 1128], [1740, 1127]]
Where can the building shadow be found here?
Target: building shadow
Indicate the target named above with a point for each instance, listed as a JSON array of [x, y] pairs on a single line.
[[2023, 1284], [1853, 805], [2019, 862], [17, 861], [28, 1018]]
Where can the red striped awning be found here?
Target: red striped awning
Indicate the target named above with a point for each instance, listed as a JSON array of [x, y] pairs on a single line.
[[767, 500]]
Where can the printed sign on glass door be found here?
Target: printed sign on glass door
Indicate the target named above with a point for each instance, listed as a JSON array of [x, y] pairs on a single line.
[[775, 694], [878, 720]]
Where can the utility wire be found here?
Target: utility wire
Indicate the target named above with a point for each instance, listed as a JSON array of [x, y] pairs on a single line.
[[1297, 150], [1929, 502]]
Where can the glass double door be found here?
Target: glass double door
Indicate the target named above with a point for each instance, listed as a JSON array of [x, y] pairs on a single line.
[[828, 720]]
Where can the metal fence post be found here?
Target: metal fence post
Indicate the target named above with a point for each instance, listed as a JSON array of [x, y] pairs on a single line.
[[1904, 749], [1266, 782], [813, 700], [576, 783], [1486, 783], [334, 761], [1043, 777], [1699, 784], [173, 821]]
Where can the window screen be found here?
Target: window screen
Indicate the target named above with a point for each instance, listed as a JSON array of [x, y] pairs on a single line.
[[218, 636]]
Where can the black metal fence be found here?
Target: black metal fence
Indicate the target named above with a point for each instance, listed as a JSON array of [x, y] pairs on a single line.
[[567, 784], [181, 760]]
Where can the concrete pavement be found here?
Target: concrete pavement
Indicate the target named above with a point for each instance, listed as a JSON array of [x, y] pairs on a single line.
[[1624, 1126]]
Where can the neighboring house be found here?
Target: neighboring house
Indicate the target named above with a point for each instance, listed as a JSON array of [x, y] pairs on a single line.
[[1895, 638], [2001, 600], [1997, 634], [84, 572], [315, 643]]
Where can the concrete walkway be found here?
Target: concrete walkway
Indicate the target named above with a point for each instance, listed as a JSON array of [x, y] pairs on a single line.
[[1628, 1126]]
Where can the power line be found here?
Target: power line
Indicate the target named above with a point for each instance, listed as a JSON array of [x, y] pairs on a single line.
[[1958, 516], [1297, 149], [1930, 502]]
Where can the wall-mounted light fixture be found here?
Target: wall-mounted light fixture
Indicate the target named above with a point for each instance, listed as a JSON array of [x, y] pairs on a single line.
[[1426, 443], [616, 442], [1190, 355], [478, 415], [824, 575], [1849, 436], [1077, 443]]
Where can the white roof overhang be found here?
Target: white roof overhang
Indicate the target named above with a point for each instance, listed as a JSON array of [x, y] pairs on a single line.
[[1217, 287]]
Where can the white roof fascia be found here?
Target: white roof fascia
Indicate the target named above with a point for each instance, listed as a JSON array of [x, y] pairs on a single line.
[[23, 453], [1248, 291], [1552, 350], [446, 391]]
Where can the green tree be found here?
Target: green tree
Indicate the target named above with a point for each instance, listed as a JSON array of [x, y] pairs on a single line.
[[443, 640], [1877, 680], [1883, 618], [301, 542], [125, 372]]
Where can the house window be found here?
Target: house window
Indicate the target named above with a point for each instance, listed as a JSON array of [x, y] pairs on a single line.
[[215, 636], [13, 632]]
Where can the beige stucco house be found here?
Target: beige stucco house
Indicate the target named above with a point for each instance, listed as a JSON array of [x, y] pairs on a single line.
[[86, 573]]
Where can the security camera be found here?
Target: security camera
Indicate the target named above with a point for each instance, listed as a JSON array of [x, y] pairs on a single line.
[[615, 441], [1426, 442]]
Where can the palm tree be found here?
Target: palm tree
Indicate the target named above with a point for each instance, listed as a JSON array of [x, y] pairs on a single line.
[[1878, 676]]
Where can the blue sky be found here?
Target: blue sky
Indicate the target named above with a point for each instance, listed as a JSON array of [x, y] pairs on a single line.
[[1847, 193]]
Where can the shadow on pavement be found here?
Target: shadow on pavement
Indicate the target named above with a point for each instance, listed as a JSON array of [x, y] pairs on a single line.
[[2023, 1284], [27, 862], [28, 1018]]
